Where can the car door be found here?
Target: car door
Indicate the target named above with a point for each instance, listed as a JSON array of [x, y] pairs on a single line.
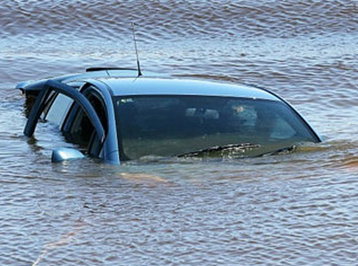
[[85, 114]]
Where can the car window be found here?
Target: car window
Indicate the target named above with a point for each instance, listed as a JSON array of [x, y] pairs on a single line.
[[59, 108], [82, 131], [172, 125]]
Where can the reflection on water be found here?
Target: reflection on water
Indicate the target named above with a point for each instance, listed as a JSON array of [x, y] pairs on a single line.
[[293, 208]]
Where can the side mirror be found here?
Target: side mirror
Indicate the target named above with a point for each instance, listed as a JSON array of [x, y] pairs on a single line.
[[63, 154]]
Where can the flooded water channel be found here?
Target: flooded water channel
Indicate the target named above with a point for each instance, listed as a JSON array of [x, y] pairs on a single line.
[[288, 209]]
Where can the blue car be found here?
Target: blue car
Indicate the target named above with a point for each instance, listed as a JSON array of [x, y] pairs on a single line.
[[115, 115]]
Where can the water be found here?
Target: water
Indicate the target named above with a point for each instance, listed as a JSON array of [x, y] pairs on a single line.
[[298, 208]]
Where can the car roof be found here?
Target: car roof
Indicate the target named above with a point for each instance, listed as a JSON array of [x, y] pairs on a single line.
[[91, 73], [163, 86]]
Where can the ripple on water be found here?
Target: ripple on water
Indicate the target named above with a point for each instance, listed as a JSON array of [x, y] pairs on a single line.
[[297, 208]]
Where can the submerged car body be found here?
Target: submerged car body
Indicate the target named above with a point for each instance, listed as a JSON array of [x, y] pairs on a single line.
[[116, 116]]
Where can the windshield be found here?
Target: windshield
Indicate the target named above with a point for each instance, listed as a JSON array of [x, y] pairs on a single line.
[[179, 125]]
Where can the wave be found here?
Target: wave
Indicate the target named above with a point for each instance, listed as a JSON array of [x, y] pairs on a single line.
[[165, 19]]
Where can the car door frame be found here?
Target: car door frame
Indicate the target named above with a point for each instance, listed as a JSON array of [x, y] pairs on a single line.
[[69, 91], [110, 151]]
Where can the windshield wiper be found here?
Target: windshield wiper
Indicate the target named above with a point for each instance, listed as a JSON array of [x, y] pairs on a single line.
[[284, 150], [230, 149]]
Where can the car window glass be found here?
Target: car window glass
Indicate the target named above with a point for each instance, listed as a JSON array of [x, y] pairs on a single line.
[[281, 129], [59, 109], [170, 125]]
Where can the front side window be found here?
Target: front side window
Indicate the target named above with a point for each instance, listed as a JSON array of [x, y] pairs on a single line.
[[82, 131], [179, 125], [59, 109]]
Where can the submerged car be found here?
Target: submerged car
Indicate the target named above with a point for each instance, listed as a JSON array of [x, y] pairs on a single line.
[[115, 115]]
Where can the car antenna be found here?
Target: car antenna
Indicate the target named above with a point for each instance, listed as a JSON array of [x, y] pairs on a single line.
[[136, 51]]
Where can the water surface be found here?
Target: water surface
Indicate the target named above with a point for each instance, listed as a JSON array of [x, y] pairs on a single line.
[[297, 208]]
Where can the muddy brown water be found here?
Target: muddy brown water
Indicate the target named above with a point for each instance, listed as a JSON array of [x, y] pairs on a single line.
[[297, 208]]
